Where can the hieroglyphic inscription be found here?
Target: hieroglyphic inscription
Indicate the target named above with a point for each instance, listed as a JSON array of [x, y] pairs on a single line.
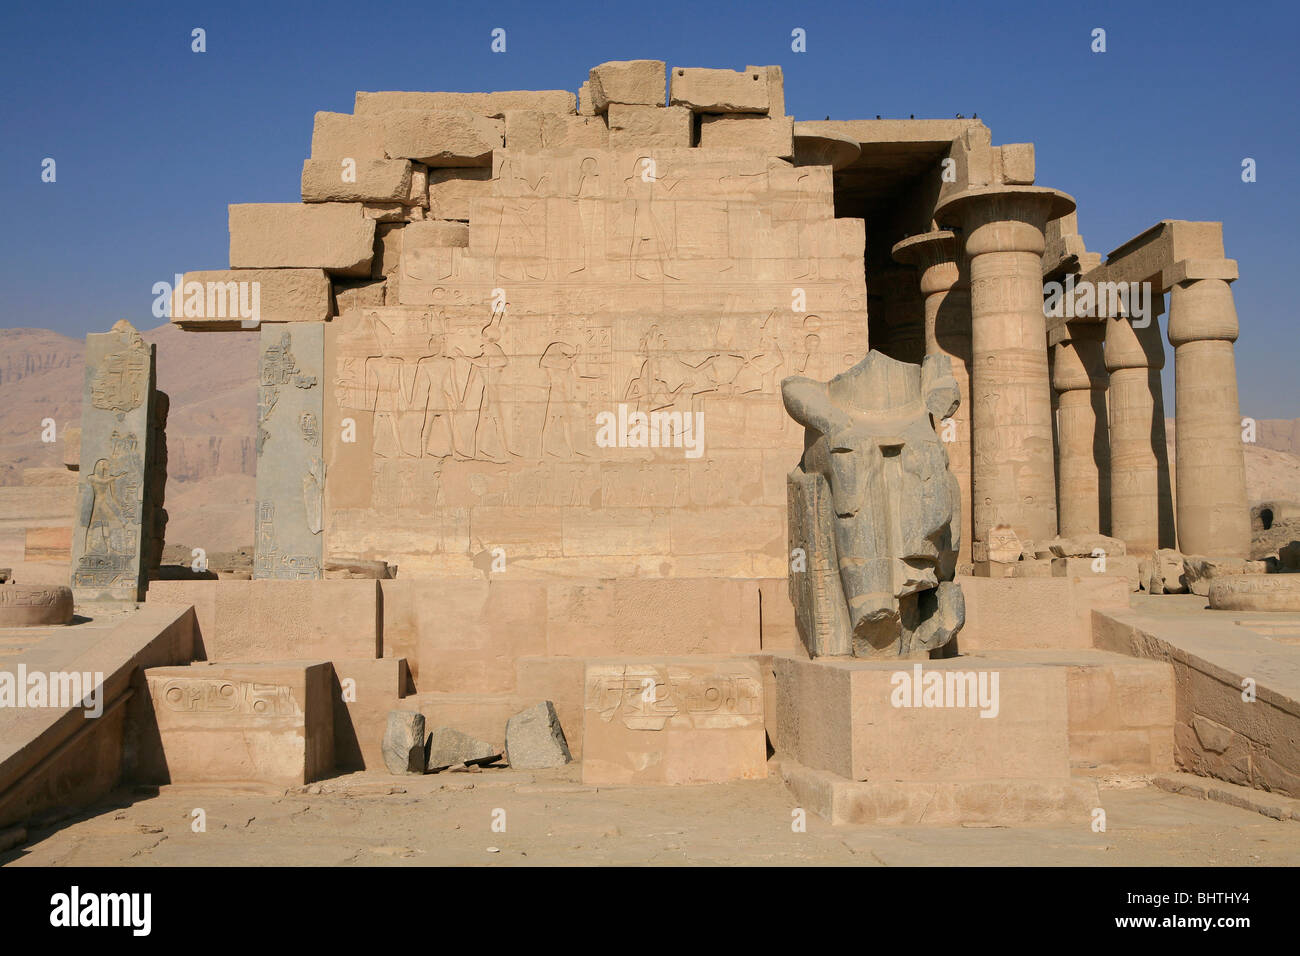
[[650, 697], [217, 696]]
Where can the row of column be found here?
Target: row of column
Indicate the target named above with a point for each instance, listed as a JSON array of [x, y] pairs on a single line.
[[984, 309]]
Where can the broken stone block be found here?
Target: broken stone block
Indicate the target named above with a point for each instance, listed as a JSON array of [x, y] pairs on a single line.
[[585, 105], [1080, 546], [392, 212], [1167, 572], [1121, 566], [1256, 592], [418, 194], [772, 135], [775, 88], [217, 300], [342, 135], [1003, 546], [635, 127], [434, 232], [450, 191], [404, 742], [331, 236], [535, 740], [442, 137], [719, 91], [1198, 570], [629, 82], [1017, 163], [356, 295], [449, 747]]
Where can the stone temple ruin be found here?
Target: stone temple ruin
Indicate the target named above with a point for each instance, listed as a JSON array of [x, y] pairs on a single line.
[[675, 435]]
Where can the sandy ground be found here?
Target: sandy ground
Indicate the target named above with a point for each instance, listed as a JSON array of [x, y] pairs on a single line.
[[372, 819]]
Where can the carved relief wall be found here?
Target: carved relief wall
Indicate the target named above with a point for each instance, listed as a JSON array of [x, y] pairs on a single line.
[[683, 282]]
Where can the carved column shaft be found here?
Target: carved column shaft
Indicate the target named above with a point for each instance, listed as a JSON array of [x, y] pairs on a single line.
[[1083, 443], [1140, 511], [945, 283], [1013, 471], [1210, 467]]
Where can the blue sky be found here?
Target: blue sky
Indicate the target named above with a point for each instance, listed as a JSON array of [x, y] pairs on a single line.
[[153, 141]]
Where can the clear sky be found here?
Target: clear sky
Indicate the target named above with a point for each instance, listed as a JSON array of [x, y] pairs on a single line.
[[152, 141]]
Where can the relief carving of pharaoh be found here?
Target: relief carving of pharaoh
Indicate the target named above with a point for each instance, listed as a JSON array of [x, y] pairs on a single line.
[[874, 512]]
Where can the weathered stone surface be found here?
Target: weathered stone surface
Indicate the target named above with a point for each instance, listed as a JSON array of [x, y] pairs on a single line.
[[632, 127], [449, 747], [586, 107], [290, 467], [357, 295], [535, 740], [33, 605], [256, 722], [450, 191], [442, 137], [1079, 546], [1124, 566], [1198, 570], [719, 91], [331, 236], [629, 82], [484, 104], [873, 460], [344, 136], [1256, 592], [534, 131], [771, 135], [1003, 546], [404, 742], [219, 300], [392, 212], [364, 180], [673, 721], [119, 517], [1167, 572]]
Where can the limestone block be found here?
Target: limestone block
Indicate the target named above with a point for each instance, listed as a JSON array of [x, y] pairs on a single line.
[[229, 723], [219, 300], [673, 721], [870, 720], [627, 82], [442, 137], [358, 295], [484, 104], [364, 691], [344, 136], [775, 88], [366, 180], [45, 477], [393, 211], [633, 127], [1198, 570], [1012, 613], [1256, 592], [389, 238], [34, 605], [1017, 163], [1122, 566], [586, 107], [719, 91], [435, 233], [1167, 572], [448, 747], [404, 742], [870, 428], [773, 135], [535, 740], [450, 191], [1079, 546], [418, 194], [331, 236]]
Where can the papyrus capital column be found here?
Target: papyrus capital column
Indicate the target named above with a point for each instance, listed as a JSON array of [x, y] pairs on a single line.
[[1209, 464], [1013, 469], [945, 284], [1139, 466], [1083, 443]]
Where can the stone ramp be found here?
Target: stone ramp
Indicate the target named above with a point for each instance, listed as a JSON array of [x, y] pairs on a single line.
[[59, 756], [1237, 677]]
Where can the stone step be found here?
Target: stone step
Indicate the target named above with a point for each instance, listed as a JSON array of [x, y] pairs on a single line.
[[994, 802]]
